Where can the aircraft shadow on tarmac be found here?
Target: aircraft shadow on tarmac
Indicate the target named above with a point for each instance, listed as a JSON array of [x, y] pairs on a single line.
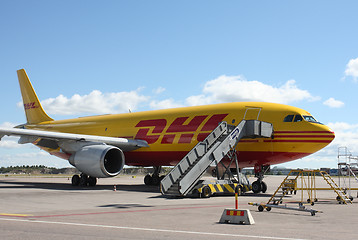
[[8, 184], [125, 206]]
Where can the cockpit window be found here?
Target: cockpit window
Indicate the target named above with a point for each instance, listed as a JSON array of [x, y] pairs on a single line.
[[288, 118], [298, 118], [310, 119]]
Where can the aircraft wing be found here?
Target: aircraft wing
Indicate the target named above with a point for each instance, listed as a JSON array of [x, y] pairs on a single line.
[[30, 136]]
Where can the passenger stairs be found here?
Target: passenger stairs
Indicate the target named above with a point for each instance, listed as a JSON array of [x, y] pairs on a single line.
[[287, 185], [186, 174], [341, 195]]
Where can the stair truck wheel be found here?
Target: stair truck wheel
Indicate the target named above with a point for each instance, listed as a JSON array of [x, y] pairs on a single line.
[[206, 192]]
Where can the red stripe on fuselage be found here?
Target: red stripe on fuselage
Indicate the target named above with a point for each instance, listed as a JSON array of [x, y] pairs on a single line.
[[301, 141], [327, 132], [304, 136]]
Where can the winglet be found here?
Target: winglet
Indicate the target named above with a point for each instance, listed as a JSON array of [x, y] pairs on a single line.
[[33, 109]]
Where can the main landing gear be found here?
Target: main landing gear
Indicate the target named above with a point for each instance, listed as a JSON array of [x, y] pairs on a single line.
[[154, 179], [83, 180], [259, 185]]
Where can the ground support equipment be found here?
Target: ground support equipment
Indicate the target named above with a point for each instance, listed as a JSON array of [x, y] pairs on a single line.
[[206, 188], [219, 144], [347, 165], [268, 207], [308, 183]]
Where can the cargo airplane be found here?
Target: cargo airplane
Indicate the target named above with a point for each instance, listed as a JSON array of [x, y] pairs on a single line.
[[99, 146]]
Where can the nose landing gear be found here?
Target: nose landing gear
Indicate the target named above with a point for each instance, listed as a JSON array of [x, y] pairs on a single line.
[[259, 185]]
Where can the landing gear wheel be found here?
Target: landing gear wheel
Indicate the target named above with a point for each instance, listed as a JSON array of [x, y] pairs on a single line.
[[83, 180], [263, 187], [206, 192], [148, 180], [92, 181], [75, 181], [155, 180], [256, 187]]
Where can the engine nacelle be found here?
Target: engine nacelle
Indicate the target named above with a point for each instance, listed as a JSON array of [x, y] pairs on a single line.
[[99, 161]]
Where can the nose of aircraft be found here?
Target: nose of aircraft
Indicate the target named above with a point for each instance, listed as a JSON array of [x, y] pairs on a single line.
[[327, 134]]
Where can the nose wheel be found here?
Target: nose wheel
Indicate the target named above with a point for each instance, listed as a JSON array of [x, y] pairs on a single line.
[[259, 186]]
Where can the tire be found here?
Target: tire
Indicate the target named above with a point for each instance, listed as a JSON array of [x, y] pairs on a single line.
[[84, 180], [206, 192], [92, 181], [148, 180], [261, 208], [263, 187], [256, 187], [75, 181], [155, 180]]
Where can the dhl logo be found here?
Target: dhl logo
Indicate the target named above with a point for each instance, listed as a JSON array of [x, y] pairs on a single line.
[[178, 126], [28, 106]]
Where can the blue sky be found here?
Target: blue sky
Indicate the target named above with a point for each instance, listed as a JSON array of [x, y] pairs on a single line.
[[94, 57]]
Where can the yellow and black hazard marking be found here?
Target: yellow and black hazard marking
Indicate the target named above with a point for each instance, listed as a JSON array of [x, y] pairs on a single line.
[[208, 189]]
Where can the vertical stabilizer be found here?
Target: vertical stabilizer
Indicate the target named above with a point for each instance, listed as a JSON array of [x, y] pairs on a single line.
[[33, 109]]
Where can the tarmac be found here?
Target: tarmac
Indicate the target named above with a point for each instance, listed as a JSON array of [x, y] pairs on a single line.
[[50, 208]]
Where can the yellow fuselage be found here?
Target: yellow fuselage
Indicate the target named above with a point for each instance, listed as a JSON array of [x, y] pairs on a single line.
[[172, 133]]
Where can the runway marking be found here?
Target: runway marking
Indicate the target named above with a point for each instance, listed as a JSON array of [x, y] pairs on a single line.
[[149, 229], [15, 215]]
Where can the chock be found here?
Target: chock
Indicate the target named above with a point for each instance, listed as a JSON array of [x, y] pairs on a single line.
[[237, 216]]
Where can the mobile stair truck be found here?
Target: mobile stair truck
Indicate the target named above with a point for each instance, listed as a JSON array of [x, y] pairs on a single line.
[[184, 179]]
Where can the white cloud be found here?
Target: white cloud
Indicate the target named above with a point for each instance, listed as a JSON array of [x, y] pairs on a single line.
[[159, 90], [333, 103], [222, 89], [346, 136], [9, 143], [8, 125], [94, 103], [167, 103], [237, 88], [352, 69]]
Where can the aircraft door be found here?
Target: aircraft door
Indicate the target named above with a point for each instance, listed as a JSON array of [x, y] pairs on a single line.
[[252, 113]]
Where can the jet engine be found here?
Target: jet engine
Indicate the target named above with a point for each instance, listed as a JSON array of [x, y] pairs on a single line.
[[99, 161]]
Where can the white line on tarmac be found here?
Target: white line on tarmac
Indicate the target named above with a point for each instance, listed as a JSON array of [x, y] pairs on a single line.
[[147, 229]]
